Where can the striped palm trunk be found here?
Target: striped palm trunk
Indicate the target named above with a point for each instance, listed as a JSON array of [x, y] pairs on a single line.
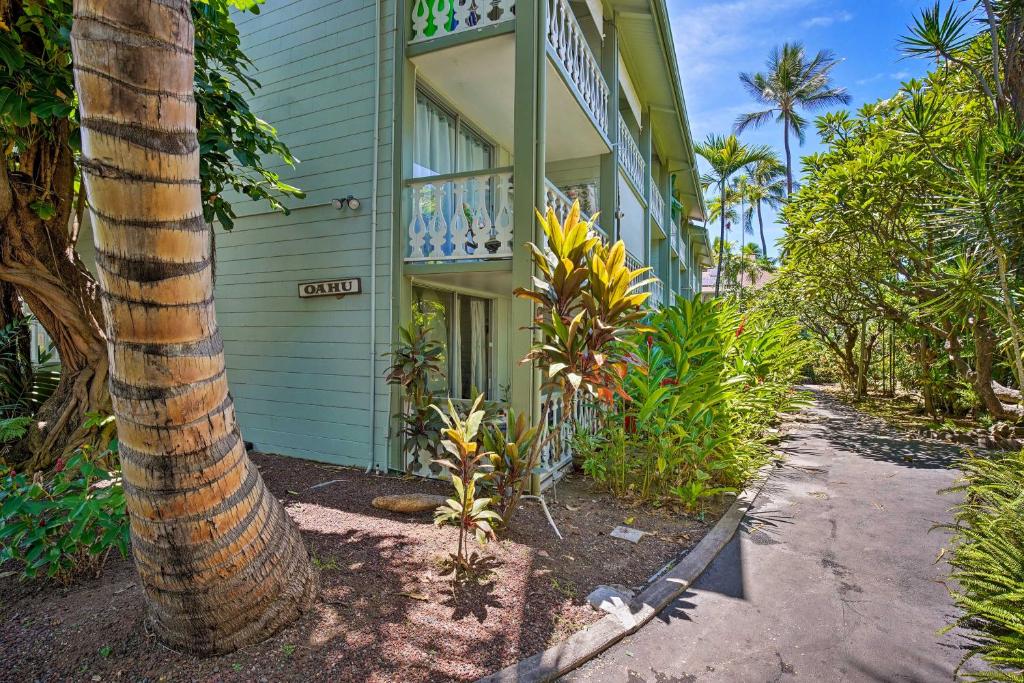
[[221, 563]]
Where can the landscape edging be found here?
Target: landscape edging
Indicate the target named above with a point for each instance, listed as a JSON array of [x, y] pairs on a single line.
[[584, 645]]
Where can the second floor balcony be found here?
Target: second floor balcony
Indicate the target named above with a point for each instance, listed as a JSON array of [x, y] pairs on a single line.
[[469, 43]]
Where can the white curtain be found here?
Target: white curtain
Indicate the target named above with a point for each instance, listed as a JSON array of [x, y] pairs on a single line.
[[478, 337], [441, 146], [434, 140], [474, 154]]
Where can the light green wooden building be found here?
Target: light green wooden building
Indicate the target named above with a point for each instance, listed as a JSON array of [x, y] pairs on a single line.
[[447, 121]]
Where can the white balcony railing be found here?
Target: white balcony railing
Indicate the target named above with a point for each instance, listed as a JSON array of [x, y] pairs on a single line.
[[658, 205], [438, 18], [420, 461], [586, 417], [570, 45], [561, 203], [630, 158], [657, 290], [461, 217], [633, 263]]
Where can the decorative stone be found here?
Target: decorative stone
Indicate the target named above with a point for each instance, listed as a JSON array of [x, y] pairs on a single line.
[[627, 533], [408, 503], [613, 600]]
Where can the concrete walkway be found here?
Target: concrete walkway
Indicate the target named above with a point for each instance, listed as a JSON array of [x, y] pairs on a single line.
[[833, 576]]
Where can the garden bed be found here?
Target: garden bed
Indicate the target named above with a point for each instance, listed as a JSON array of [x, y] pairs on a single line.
[[386, 611]]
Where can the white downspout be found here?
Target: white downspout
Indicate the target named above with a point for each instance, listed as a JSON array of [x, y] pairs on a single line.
[[373, 235]]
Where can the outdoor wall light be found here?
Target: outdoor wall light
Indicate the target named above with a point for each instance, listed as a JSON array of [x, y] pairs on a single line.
[[349, 202]]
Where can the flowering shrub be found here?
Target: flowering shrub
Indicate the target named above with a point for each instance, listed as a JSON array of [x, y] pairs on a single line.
[[64, 526]]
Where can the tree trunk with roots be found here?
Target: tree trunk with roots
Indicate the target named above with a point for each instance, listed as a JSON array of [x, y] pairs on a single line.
[[221, 563], [38, 258], [980, 374]]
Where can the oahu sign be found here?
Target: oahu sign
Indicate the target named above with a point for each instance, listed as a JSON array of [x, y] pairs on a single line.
[[348, 285]]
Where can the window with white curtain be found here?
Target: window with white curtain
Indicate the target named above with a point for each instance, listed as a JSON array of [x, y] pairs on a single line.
[[463, 326], [443, 143]]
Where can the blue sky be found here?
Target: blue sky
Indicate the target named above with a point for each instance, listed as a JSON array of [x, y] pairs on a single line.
[[717, 39]]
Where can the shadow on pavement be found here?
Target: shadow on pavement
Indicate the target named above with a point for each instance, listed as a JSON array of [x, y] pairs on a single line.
[[870, 438]]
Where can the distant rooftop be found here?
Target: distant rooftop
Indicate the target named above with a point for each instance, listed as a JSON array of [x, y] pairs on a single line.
[[707, 280]]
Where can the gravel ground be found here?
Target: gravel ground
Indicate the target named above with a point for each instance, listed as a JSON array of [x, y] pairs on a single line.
[[385, 611]]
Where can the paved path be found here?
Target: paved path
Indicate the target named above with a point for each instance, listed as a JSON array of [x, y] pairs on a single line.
[[832, 577]]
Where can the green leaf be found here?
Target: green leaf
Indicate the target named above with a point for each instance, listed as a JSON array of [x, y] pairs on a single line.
[[45, 210]]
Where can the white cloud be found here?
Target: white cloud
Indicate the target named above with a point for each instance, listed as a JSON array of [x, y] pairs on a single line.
[[712, 36], [716, 40], [895, 76], [826, 20]]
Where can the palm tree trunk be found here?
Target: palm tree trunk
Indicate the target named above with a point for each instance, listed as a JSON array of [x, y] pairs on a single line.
[[221, 563], [789, 156], [721, 244], [760, 225]]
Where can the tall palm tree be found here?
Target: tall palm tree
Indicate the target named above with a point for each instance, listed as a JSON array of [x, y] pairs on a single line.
[[792, 82], [766, 186], [723, 249], [726, 156], [741, 187], [221, 563]]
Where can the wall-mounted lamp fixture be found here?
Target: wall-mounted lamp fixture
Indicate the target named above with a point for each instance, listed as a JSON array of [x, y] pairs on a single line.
[[349, 202]]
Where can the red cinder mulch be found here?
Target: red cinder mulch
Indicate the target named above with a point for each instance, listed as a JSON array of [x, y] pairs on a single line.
[[385, 612]]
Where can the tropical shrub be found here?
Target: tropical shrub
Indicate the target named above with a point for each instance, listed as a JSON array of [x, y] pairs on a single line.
[[469, 511], [588, 302], [704, 385], [509, 449], [416, 361], [988, 564], [65, 526]]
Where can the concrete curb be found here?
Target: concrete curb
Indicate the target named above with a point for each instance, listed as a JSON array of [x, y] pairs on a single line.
[[584, 645]]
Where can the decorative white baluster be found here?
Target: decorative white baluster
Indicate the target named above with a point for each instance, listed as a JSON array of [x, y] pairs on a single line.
[[442, 13], [658, 206], [420, 19], [462, 10], [482, 227], [439, 224], [417, 228], [459, 227], [507, 8], [503, 216]]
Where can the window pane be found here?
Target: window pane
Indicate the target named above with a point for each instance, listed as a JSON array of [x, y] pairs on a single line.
[[434, 308], [434, 139], [474, 365]]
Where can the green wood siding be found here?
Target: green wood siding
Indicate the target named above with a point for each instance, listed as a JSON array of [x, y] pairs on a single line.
[[299, 368]]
